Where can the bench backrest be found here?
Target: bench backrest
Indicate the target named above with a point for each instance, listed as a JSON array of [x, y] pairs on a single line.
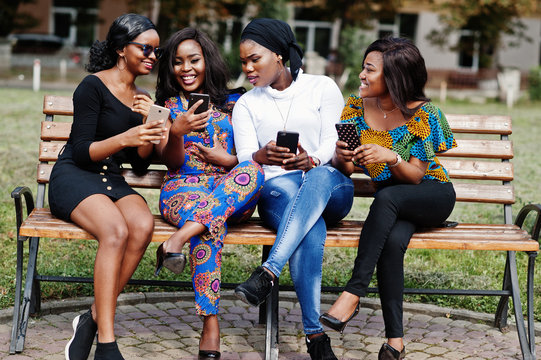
[[479, 166]]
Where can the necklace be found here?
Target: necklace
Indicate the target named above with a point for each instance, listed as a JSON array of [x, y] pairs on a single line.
[[385, 113], [284, 121]]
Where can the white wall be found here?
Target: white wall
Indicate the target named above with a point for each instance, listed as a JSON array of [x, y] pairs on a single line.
[[527, 54], [435, 57]]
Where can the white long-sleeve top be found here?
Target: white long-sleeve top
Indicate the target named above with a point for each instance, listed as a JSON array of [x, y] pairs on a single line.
[[316, 104]]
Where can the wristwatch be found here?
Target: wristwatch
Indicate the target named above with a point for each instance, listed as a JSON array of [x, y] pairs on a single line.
[[398, 160]]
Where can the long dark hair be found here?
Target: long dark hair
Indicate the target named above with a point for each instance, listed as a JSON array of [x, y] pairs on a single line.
[[125, 28], [404, 71], [216, 70]]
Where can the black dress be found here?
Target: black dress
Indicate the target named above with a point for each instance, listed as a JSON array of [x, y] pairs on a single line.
[[97, 115]]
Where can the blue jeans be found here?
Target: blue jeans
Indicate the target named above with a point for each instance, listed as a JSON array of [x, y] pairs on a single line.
[[299, 206]]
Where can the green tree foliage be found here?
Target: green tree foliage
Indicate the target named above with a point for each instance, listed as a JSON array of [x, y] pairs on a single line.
[[488, 19]]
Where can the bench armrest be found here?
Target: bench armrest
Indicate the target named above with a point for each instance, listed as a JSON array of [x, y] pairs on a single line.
[[16, 195], [524, 212]]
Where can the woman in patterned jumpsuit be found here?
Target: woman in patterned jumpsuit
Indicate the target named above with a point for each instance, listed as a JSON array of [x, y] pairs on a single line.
[[205, 186]]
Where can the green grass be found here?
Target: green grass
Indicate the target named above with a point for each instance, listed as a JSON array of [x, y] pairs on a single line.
[[20, 116]]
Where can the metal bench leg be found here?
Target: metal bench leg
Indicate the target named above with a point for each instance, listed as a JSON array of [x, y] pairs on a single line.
[[531, 326], [268, 315], [28, 288], [263, 307], [517, 305], [17, 304], [500, 320], [271, 326]]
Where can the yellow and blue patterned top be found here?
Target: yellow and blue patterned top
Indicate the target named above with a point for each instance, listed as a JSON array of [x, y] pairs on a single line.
[[424, 135], [219, 124]]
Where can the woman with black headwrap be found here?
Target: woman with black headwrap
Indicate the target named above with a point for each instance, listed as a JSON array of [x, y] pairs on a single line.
[[302, 193]]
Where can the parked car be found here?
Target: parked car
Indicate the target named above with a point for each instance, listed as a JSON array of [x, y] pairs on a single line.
[[35, 43]]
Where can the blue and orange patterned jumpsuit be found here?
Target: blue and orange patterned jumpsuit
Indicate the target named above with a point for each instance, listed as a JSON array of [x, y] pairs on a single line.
[[210, 195]]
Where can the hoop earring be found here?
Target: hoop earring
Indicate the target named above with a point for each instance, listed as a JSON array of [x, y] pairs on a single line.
[[125, 64]]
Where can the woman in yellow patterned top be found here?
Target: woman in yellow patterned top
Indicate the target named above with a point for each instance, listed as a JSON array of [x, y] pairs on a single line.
[[400, 132]]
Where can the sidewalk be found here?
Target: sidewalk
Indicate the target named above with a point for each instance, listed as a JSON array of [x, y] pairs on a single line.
[[163, 326]]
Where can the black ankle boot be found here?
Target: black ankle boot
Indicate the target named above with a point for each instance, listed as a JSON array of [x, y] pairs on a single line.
[[256, 289], [387, 352], [320, 348], [107, 351]]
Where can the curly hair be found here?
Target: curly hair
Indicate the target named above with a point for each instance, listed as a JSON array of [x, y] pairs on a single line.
[[216, 70], [404, 71], [103, 54]]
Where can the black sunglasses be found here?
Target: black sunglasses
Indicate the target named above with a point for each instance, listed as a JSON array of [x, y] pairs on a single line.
[[148, 49]]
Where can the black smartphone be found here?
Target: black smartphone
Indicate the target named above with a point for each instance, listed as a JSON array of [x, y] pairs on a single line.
[[288, 139], [448, 224], [195, 97], [347, 132]]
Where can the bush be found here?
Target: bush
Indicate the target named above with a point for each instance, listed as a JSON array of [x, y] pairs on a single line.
[[534, 83]]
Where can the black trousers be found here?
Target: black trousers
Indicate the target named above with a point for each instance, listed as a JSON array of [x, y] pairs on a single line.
[[397, 210]]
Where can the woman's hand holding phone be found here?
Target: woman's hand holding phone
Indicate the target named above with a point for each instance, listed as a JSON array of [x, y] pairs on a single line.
[[342, 152], [142, 104], [300, 162], [189, 121], [271, 154], [143, 135]]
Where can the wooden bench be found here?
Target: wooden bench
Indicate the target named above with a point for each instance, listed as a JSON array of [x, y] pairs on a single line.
[[482, 165]]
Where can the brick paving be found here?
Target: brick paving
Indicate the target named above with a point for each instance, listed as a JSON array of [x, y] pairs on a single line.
[[163, 326]]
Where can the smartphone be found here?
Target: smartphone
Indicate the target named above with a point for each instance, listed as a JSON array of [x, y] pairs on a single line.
[[288, 139], [347, 132], [195, 97], [157, 112], [448, 224]]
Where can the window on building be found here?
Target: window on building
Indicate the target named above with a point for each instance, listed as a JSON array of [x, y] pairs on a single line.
[[77, 25], [401, 25], [468, 50], [314, 36]]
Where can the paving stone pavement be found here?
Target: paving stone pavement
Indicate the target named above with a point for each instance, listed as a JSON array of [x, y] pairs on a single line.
[[164, 326]]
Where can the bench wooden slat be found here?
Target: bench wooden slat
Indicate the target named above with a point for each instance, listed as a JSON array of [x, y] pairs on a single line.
[[467, 192], [478, 170], [485, 193], [480, 124], [41, 223], [471, 124], [57, 105], [496, 194], [49, 151], [458, 169], [485, 149], [55, 130], [152, 178], [468, 148]]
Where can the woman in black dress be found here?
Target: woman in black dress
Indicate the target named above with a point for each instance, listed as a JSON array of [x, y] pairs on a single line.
[[86, 185]]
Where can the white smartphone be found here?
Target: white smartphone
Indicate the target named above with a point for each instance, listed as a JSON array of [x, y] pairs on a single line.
[[157, 112]]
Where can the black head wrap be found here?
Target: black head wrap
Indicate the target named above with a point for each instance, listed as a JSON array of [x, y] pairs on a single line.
[[276, 35]]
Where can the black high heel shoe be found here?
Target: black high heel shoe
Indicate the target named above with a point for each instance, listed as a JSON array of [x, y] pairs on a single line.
[[387, 352], [334, 323], [208, 355], [172, 261]]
